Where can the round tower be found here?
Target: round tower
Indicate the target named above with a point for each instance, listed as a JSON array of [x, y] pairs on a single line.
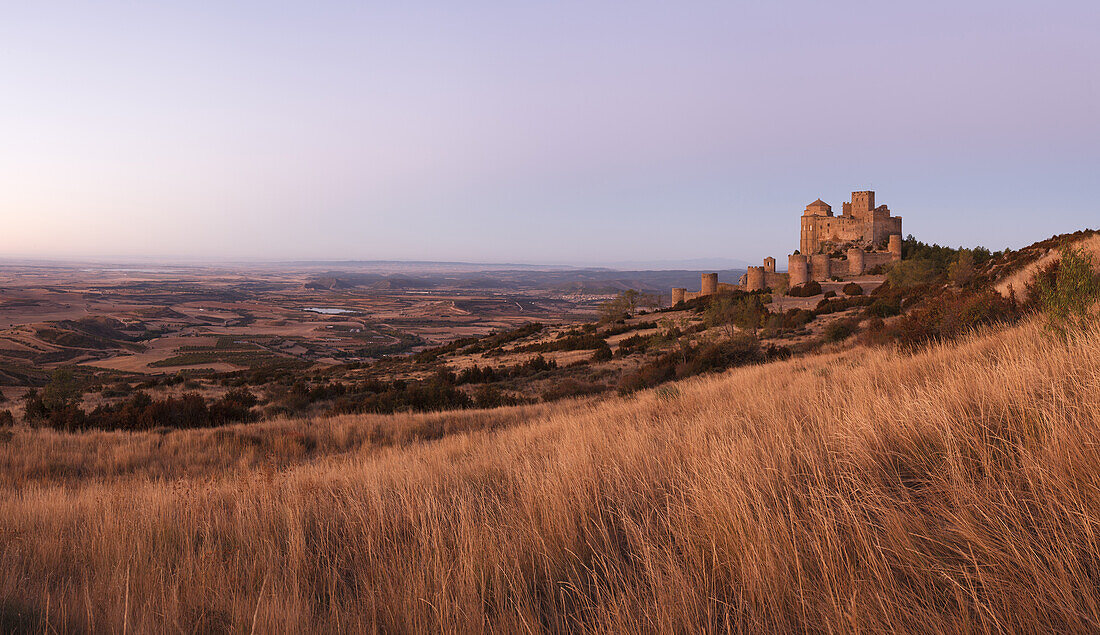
[[819, 264], [755, 279], [678, 295], [855, 261], [797, 269], [894, 247], [769, 265], [708, 284]]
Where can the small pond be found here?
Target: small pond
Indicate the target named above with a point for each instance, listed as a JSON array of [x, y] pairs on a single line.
[[327, 311]]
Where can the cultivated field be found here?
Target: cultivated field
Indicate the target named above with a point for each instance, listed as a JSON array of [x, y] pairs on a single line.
[[956, 489], [136, 320]]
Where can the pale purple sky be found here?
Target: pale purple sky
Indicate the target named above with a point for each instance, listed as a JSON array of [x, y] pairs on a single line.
[[537, 132]]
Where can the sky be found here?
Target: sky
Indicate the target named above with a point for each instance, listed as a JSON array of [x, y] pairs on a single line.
[[537, 132]]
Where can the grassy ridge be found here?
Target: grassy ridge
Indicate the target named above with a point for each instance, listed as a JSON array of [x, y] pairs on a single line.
[[954, 489]]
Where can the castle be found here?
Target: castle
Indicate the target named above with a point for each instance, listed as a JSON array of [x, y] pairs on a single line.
[[845, 246]]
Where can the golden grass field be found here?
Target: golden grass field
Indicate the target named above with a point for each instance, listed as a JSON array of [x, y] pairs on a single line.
[[957, 489]]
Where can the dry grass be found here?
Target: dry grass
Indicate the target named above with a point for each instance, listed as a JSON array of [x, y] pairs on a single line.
[[954, 490], [1017, 281]]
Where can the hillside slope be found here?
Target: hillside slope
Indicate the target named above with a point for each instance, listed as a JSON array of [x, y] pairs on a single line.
[[956, 489]]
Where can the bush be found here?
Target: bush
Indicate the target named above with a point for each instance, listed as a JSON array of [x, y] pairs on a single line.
[[1067, 290], [805, 290], [34, 409], [953, 315], [647, 376], [835, 305], [6, 419], [494, 397], [795, 318], [841, 330], [570, 342], [716, 356], [883, 308], [636, 344], [477, 375], [853, 289], [603, 353], [740, 350]]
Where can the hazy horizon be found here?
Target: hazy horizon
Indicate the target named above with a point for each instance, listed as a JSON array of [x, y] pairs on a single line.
[[572, 133]]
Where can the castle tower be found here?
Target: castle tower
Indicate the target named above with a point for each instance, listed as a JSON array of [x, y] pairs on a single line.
[[811, 218], [708, 284], [797, 269], [819, 264], [755, 279], [678, 295], [855, 261], [894, 247], [769, 265], [863, 203]]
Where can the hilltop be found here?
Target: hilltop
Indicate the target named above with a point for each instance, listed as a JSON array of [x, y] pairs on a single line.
[[931, 467], [232, 364], [866, 489]]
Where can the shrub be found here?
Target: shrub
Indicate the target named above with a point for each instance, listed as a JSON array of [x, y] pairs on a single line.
[[953, 315], [571, 342], [494, 397], [883, 308], [740, 350], [841, 330], [6, 419], [603, 353], [853, 289], [570, 387], [829, 294], [805, 290], [736, 351], [648, 375], [796, 318], [1067, 290], [835, 305], [638, 344], [34, 409], [476, 375], [625, 328], [536, 364]]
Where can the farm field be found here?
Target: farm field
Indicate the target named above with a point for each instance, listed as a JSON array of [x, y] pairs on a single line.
[[145, 320]]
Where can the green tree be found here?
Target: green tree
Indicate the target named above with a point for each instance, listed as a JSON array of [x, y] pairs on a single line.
[[961, 270], [1067, 297], [720, 314], [909, 273], [621, 306], [62, 391]]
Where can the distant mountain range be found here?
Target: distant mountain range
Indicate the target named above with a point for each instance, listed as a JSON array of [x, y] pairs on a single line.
[[592, 280], [405, 266]]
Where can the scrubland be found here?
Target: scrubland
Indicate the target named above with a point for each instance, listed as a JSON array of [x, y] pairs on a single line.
[[952, 489]]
